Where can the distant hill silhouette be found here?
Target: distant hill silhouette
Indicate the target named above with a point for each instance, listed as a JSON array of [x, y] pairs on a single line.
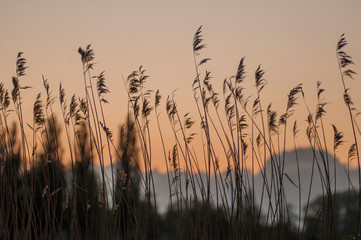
[[306, 160], [305, 157]]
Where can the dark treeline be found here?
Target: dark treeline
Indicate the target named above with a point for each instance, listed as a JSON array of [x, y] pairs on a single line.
[[41, 199]]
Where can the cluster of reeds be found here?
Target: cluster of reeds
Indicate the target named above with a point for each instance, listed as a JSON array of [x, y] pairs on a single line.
[[40, 199]]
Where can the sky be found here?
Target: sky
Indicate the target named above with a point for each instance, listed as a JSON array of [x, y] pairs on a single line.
[[294, 41]]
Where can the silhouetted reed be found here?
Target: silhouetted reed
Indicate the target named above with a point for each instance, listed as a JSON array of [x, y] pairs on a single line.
[[42, 199]]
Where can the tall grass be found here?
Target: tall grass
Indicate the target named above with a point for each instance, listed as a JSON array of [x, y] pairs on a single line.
[[41, 199]]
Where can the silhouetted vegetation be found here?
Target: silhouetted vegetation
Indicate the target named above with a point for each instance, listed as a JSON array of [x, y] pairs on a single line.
[[345, 217], [42, 199]]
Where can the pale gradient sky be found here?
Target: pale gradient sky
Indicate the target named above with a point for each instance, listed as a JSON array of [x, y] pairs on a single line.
[[293, 40]]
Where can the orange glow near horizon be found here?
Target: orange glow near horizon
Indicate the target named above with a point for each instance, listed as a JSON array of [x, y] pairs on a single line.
[[294, 42]]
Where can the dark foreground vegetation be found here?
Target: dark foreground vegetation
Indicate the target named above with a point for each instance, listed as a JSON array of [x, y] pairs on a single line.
[[40, 199]]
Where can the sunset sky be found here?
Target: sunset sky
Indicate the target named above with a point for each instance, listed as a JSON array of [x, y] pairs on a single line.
[[294, 41]]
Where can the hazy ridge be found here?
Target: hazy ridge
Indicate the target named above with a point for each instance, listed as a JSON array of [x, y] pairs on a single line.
[[305, 157]]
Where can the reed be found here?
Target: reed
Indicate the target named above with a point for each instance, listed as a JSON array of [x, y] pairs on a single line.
[[43, 199]]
